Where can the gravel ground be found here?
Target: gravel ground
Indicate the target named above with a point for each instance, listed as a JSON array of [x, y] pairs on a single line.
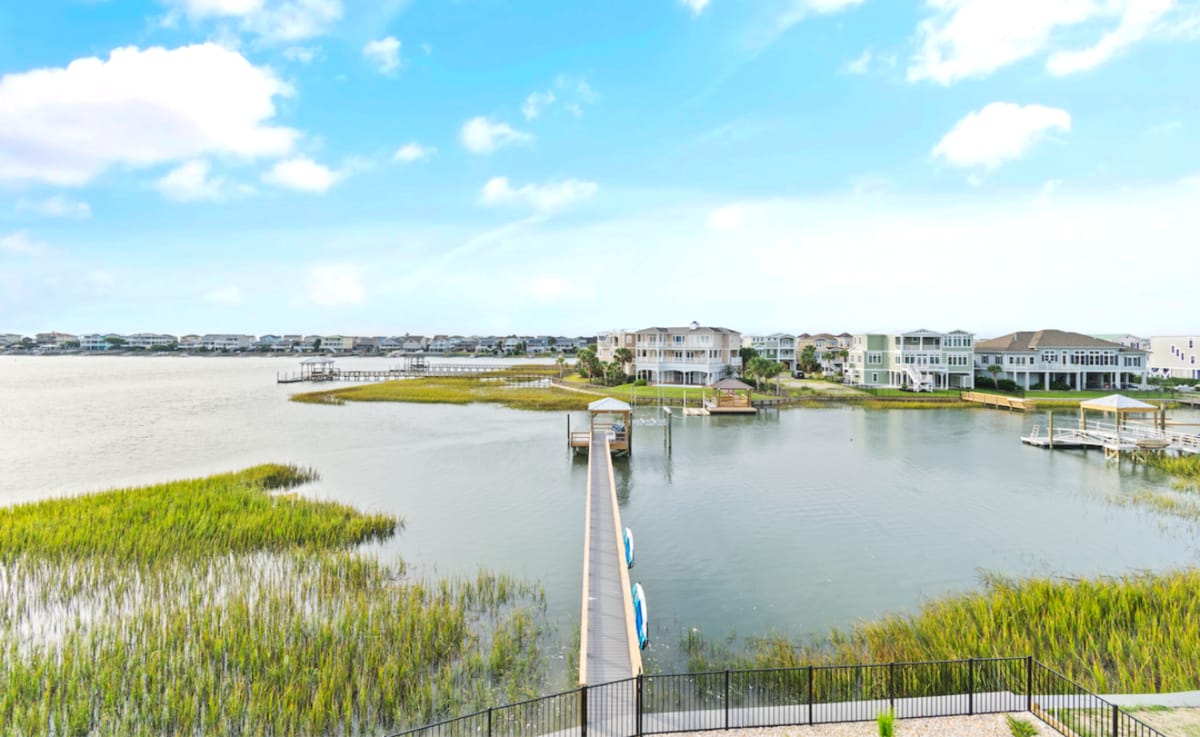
[[991, 725]]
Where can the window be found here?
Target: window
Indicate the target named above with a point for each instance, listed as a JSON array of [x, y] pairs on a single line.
[[678, 339], [874, 378]]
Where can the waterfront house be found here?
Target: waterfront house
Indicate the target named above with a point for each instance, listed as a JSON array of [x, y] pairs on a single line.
[[439, 344], [226, 342], [537, 346], [511, 344], [778, 347], [1174, 356], [7, 339], [414, 343], [1062, 359], [189, 342], [55, 340], [921, 360], [147, 341], [691, 355], [389, 344], [608, 343], [94, 342], [488, 344], [1127, 340]]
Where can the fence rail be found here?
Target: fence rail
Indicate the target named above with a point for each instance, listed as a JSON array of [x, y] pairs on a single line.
[[822, 694]]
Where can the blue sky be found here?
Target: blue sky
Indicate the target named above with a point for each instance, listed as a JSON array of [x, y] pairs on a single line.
[[490, 166]]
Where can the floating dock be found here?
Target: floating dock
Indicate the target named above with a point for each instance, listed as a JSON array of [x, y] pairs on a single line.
[[1113, 439]]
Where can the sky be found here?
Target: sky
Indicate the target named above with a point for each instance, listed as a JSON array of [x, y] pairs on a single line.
[[382, 167]]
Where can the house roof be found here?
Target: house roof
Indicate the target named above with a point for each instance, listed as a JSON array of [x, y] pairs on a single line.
[[690, 329], [731, 384], [1032, 341], [608, 404], [1118, 403]]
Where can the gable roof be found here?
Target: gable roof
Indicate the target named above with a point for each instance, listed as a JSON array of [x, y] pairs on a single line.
[[1118, 403], [1032, 341], [608, 404], [731, 384]]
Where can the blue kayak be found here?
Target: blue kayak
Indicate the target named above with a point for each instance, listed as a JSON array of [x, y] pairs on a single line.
[[628, 548], [641, 615]]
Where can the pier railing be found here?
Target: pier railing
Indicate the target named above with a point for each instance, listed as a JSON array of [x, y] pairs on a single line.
[[819, 694]]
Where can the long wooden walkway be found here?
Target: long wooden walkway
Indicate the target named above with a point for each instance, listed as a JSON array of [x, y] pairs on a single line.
[[608, 649], [1113, 439]]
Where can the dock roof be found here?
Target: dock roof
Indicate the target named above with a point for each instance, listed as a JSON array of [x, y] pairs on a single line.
[[608, 404]]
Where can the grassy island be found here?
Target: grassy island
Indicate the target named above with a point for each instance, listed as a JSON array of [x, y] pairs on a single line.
[[508, 391], [222, 606]]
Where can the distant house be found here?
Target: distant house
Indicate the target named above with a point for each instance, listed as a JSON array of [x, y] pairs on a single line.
[[608, 343], [226, 342], [1174, 356], [366, 344], [1062, 358], [387, 345], [488, 344], [55, 340], [189, 342], [920, 360], [7, 339], [1129, 341], [148, 341], [537, 346], [439, 344], [94, 342], [777, 347], [414, 343], [692, 355]]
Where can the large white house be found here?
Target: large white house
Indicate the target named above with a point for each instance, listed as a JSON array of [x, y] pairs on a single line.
[[1050, 358], [1175, 356], [778, 347], [692, 355], [920, 360]]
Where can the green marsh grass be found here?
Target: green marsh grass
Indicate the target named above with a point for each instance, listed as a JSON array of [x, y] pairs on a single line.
[[456, 390], [214, 606], [1133, 634]]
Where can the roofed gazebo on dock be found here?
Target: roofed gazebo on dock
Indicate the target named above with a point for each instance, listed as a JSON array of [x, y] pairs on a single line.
[[1118, 405], [317, 368], [731, 396], [616, 417]]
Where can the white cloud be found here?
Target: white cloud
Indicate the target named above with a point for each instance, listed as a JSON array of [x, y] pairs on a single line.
[[696, 6], [541, 197], [999, 132], [1136, 23], [859, 65], [781, 15], [384, 53], [19, 242], [535, 103], [228, 295], [302, 54], [413, 151], [336, 285], [277, 20], [302, 174], [190, 182], [139, 108], [483, 136], [973, 38], [57, 206], [726, 218]]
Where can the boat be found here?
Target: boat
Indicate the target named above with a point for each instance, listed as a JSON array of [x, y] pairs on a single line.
[[641, 614], [628, 548]]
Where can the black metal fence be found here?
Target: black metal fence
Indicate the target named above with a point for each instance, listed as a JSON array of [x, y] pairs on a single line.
[[825, 694]]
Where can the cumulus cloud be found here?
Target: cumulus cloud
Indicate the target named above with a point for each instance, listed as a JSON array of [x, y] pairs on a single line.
[[413, 151], [860, 65], [302, 174], [973, 38], [57, 206], [541, 197], [273, 20], [384, 53], [999, 132], [726, 218], [696, 6], [481, 135], [137, 108], [535, 103], [190, 182], [336, 285]]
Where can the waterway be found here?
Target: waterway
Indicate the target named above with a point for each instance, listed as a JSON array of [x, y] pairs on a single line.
[[792, 521]]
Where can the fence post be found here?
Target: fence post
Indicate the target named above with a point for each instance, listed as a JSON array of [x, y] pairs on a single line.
[[583, 711], [489, 722], [639, 704], [810, 694], [1116, 719], [892, 686], [726, 698], [1028, 683], [971, 686]]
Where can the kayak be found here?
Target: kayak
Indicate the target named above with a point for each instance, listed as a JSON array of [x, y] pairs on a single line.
[[641, 614], [628, 548]]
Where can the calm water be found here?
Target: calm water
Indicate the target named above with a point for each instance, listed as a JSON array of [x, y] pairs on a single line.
[[791, 521]]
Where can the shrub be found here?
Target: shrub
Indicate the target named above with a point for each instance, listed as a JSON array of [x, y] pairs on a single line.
[[640, 382], [984, 382], [1060, 386], [887, 723], [1036, 386], [1020, 727], [1006, 385]]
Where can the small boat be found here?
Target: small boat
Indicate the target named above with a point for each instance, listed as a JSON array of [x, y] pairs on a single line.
[[628, 548], [641, 614]]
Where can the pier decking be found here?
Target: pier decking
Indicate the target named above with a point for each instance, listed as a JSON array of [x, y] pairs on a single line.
[[1113, 438], [323, 370], [998, 400], [608, 649]]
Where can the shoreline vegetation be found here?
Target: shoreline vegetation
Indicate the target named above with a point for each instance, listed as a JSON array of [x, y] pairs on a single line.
[[1130, 634], [226, 605]]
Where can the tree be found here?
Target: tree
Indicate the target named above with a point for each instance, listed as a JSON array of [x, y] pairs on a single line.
[[623, 357], [995, 370], [587, 363], [316, 344], [771, 370], [826, 360], [747, 354], [562, 362], [808, 358]]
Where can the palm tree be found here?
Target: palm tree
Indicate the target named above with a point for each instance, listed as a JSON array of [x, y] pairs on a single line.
[[623, 357], [562, 362], [994, 370]]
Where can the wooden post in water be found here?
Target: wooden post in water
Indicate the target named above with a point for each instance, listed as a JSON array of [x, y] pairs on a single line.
[[1050, 423]]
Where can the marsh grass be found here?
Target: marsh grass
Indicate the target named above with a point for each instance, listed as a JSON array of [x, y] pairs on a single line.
[[456, 390], [1133, 634], [202, 622]]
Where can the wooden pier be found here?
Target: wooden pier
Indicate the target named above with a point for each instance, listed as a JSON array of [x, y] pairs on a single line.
[[608, 643], [1113, 438], [322, 369], [999, 400]]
